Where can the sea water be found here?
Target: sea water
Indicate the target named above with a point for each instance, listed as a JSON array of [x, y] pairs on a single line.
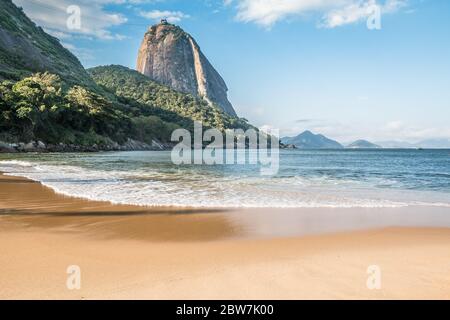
[[306, 178]]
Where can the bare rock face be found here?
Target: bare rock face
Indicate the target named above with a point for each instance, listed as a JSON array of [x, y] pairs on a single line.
[[172, 57]]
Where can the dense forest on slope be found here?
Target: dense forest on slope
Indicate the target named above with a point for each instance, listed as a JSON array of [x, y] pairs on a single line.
[[42, 107], [133, 88]]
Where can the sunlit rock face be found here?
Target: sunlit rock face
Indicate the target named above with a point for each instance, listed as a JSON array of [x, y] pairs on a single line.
[[172, 57]]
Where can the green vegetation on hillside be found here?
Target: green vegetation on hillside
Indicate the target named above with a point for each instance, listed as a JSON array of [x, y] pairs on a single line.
[[176, 31], [43, 107], [152, 98]]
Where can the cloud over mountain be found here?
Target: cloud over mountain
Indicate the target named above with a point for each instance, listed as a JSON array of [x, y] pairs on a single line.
[[95, 20], [334, 12]]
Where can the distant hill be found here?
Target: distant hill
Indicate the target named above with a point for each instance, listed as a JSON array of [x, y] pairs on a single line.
[[392, 144], [363, 144], [309, 140], [434, 144], [426, 144]]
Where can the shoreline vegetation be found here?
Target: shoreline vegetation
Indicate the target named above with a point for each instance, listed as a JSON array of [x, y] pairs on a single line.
[[127, 252]]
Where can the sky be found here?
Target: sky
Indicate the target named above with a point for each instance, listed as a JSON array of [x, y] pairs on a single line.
[[349, 69]]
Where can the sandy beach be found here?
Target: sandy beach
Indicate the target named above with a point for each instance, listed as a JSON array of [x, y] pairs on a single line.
[[127, 252]]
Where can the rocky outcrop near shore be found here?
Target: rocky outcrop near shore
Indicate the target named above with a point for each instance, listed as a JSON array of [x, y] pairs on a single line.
[[39, 146]]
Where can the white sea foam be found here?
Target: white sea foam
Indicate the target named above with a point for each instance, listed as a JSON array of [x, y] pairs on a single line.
[[152, 187]]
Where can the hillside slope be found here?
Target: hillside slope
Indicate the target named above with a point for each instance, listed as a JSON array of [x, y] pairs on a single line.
[[131, 86], [26, 49]]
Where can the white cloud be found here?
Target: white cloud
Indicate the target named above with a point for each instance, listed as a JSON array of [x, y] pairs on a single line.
[[334, 12], [170, 16], [358, 11], [346, 15], [95, 20]]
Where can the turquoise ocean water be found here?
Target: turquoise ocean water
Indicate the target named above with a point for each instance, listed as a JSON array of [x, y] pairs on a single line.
[[322, 178]]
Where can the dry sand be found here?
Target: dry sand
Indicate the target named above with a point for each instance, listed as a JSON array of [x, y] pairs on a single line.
[[129, 252]]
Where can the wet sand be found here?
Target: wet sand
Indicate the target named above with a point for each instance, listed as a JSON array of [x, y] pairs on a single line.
[[182, 253]]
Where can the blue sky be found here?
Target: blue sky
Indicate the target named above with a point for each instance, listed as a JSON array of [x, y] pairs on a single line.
[[293, 64]]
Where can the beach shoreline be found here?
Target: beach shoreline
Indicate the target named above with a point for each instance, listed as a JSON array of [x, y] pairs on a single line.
[[127, 252]]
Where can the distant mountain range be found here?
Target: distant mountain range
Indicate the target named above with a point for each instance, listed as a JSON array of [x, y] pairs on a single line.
[[309, 140], [391, 144], [425, 144], [363, 144]]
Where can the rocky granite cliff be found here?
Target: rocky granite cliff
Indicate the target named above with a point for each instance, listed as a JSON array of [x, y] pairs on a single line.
[[172, 57]]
